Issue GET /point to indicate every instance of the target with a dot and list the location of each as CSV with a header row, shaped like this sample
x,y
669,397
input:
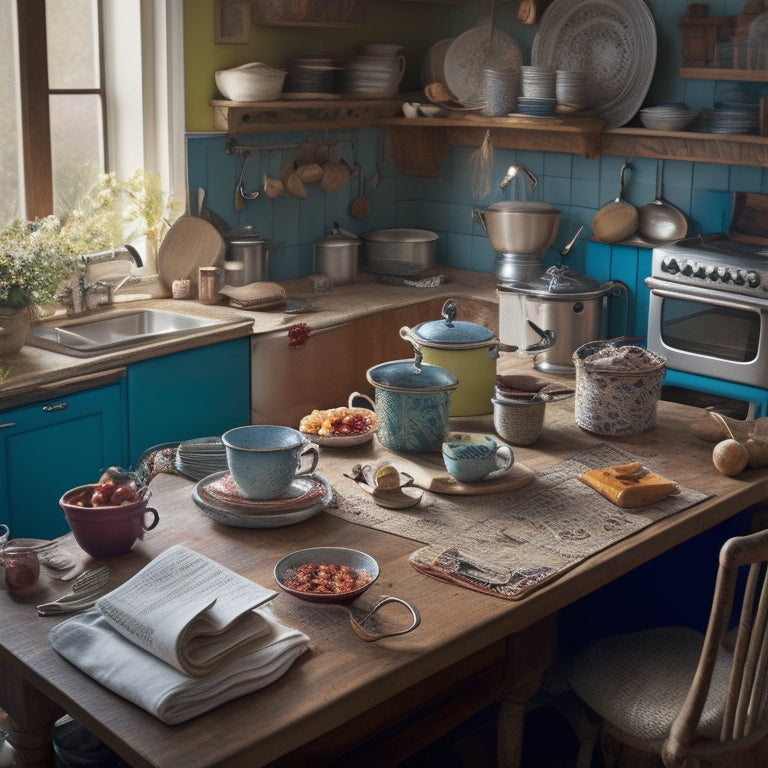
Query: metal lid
x,y
525,206
562,282
401,236
451,333
408,375
338,238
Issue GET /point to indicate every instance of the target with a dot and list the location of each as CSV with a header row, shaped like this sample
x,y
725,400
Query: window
x,y
89,86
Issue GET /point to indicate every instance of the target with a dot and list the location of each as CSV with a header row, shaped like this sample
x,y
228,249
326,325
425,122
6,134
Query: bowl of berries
x,y
108,517
342,427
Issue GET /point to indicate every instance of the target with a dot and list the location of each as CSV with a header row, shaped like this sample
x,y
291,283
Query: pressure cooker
x,y
552,316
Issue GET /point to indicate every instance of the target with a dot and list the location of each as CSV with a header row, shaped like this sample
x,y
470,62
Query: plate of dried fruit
x,y
342,427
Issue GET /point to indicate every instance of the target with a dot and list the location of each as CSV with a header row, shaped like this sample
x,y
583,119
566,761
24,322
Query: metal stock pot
x,y
468,350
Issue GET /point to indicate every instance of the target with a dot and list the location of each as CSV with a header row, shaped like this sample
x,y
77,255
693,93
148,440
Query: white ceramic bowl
x,y
250,82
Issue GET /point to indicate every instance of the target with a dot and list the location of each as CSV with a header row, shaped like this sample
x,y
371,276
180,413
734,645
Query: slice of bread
x,y
629,485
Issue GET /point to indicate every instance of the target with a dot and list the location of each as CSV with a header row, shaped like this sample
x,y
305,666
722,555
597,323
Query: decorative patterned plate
x,y
217,496
341,441
470,53
614,41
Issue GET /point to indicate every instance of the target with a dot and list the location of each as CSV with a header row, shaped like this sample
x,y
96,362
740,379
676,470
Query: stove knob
x,y
670,265
753,278
738,277
725,274
700,271
711,273
687,269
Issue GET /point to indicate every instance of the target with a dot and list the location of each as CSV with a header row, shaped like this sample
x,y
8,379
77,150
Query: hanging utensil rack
x,y
233,147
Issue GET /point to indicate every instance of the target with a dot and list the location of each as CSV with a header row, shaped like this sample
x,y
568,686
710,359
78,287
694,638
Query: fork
x,y
86,588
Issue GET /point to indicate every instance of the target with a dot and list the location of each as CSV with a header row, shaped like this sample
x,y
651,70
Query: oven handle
x,y
659,288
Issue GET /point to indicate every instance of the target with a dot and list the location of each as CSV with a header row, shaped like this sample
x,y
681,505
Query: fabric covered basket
x,y
617,387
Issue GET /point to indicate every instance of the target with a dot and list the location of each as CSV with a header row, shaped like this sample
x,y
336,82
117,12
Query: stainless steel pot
x,y
336,255
554,316
253,251
400,251
519,226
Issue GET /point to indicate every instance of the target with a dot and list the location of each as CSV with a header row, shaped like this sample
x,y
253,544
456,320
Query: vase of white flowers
x,y
34,260
37,257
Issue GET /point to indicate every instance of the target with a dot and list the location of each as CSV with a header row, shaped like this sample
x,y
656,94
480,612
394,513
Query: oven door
x,y
709,333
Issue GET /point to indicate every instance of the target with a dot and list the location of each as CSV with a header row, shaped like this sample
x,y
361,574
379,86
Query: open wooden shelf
x,y
237,117
721,73
420,144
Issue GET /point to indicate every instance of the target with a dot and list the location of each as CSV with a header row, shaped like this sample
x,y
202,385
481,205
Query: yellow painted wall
x,y
413,25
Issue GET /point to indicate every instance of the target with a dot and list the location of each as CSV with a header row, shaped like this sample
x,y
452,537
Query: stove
x,y
708,310
714,262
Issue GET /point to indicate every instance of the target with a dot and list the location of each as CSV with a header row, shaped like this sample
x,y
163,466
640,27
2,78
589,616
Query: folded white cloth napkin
x,y
88,642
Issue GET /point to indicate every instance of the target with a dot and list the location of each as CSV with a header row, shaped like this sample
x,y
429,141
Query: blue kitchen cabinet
x,y
193,393
52,446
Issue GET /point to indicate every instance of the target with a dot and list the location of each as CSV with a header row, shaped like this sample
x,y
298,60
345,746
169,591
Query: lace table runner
x,y
534,535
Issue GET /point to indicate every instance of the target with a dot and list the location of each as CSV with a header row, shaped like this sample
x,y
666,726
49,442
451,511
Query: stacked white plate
x,y
667,117
538,82
201,457
372,76
730,119
571,87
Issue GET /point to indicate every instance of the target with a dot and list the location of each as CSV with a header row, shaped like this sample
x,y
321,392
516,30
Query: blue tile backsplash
x,y
577,186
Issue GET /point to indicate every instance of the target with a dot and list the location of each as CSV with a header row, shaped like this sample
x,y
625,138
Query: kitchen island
x,y
469,650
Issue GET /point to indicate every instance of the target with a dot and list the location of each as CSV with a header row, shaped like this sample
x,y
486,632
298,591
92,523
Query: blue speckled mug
x,y
471,457
263,459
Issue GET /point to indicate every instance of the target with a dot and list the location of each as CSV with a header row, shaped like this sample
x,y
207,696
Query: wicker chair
x,y
688,697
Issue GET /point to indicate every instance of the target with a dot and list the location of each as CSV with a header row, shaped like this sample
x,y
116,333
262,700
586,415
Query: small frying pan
x,y
660,222
617,220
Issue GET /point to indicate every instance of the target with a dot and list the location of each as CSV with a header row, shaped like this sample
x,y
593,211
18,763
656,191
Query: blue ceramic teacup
x,y
263,459
470,457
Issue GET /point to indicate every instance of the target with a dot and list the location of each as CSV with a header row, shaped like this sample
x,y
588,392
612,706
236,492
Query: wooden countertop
x,y
35,372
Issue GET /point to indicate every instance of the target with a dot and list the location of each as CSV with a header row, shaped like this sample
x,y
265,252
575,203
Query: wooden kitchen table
x,y
470,648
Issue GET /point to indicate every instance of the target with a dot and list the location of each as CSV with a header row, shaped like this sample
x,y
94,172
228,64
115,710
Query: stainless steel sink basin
x,y
92,336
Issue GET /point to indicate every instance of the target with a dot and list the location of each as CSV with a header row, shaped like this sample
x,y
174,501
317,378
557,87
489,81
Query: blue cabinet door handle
x,y
57,407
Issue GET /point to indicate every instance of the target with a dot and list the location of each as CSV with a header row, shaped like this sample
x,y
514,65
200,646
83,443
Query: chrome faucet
x,y
512,173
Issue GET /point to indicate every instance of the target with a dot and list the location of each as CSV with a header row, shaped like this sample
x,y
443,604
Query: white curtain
x,y
144,62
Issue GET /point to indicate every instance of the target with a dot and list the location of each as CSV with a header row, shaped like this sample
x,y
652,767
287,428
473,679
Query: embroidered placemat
x,y
509,549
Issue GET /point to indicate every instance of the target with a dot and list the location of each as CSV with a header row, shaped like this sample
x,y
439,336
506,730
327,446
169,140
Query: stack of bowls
x,y
538,82
667,117
313,76
571,88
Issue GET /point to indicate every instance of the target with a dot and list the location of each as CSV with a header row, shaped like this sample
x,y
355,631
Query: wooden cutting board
x,y
189,244
428,472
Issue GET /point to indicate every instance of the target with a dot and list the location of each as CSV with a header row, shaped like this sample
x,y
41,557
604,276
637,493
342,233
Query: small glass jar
x,y
210,279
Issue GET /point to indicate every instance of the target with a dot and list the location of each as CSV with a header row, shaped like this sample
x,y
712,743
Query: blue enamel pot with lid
x,y
468,350
413,401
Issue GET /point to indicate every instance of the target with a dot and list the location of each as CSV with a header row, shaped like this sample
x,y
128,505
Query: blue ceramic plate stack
x,y
538,107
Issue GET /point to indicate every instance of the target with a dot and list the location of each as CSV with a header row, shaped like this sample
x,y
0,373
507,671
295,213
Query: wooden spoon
x,y
527,13
360,207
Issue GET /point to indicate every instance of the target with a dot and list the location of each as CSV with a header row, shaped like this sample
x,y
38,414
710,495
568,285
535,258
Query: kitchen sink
x,y
92,336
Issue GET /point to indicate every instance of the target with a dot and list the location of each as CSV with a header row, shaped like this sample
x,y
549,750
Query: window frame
x,y
157,114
